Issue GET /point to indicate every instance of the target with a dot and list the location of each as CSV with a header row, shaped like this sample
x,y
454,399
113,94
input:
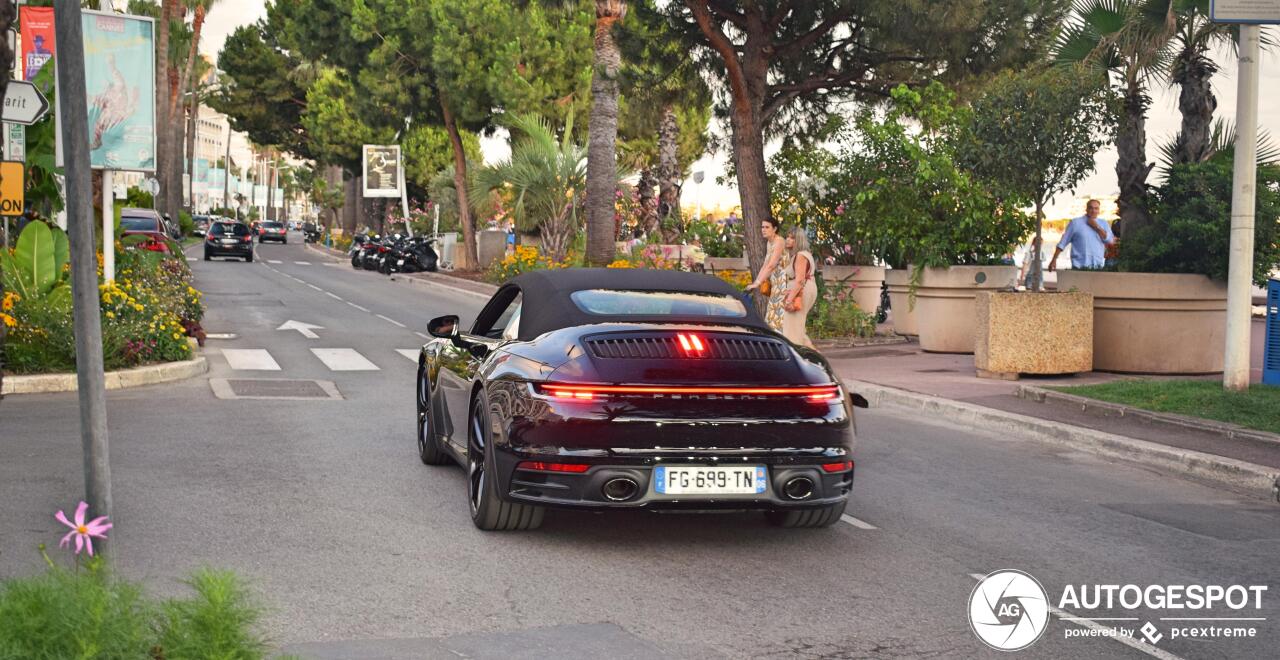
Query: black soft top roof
x,y
546,305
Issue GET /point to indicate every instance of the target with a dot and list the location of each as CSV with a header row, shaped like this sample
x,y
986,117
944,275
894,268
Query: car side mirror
x,y
444,327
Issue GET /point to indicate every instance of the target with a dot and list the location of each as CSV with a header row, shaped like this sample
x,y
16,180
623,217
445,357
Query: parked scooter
x,y
357,245
311,233
372,252
410,255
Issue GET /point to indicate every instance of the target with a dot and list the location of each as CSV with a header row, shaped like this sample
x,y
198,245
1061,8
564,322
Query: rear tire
x,y
207,256
429,450
249,259
488,511
803,518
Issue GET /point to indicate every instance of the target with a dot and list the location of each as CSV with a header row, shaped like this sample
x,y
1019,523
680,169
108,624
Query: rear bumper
x,y
588,490
235,249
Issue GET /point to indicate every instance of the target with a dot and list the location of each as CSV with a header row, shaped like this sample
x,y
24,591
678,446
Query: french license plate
x,y
229,241
710,480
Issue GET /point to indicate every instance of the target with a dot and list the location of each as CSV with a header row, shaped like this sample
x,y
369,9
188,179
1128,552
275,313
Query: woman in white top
x,y
802,291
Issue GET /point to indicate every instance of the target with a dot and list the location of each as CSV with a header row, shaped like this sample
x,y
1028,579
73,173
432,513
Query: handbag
x,y
796,305
765,288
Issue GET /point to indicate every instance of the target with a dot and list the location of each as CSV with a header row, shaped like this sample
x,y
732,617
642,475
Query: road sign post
x,y
1250,14
74,134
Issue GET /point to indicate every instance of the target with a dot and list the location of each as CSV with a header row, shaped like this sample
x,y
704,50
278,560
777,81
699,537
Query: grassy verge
x,y
1259,408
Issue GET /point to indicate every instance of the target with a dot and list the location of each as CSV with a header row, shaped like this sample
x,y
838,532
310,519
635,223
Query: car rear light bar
x,y
842,466
815,393
542,466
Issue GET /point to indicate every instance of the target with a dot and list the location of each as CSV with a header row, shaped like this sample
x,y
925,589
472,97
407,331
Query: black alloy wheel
x,y
488,511
429,450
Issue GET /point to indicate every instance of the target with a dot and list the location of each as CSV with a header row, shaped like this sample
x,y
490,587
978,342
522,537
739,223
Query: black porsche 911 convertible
x,y
613,388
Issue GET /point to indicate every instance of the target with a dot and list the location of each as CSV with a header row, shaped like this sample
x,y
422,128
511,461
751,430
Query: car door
x,y
458,365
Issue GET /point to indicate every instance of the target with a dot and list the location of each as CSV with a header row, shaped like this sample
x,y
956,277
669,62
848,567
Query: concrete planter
x,y
945,304
904,314
866,281
1154,323
1033,333
492,245
727,263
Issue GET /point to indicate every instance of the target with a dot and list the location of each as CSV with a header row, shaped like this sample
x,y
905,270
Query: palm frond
x,y
1223,138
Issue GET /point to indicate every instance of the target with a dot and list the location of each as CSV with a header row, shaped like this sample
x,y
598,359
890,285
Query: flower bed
x,y
147,312
523,259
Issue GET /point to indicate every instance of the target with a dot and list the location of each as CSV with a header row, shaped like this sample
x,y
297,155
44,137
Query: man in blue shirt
x,y
1088,236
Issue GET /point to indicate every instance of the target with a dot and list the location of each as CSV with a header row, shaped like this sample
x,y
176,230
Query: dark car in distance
x,y
148,223
228,239
632,389
273,231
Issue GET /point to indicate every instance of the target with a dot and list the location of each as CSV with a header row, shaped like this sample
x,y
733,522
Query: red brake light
x,y
842,466
571,391
540,466
691,344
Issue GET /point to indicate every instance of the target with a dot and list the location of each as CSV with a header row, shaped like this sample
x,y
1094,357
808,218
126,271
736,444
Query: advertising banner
x,y
119,62
381,170
36,25
1245,11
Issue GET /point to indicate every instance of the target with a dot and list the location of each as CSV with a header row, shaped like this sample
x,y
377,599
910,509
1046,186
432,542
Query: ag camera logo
x,y
1009,610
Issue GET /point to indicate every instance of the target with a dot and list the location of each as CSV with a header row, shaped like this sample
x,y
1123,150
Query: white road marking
x,y
363,309
410,353
250,359
332,295
312,286
304,328
191,258
344,359
860,524
220,335
391,321
302,263
1092,624
421,335
274,261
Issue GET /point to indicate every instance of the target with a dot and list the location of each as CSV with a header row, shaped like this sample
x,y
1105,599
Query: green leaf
x,y
33,260
61,250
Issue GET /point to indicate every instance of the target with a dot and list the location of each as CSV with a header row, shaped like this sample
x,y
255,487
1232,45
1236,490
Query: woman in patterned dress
x,y
774,272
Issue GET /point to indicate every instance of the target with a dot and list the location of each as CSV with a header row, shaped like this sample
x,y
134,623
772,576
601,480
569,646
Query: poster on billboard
x,y
36,25
119,62
381,170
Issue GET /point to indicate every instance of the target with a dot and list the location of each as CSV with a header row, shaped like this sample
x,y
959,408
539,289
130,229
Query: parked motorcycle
x,y
372,252
311,233
409,255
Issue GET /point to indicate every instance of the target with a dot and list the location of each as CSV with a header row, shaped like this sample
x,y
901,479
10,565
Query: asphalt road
x,y
360,551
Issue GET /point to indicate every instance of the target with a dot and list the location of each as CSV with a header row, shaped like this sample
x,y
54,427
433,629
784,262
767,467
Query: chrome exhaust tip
x,y
798,488
620,489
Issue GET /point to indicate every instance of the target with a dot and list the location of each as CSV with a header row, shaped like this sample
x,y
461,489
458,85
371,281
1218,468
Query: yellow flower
x,y
177,335
8,320
137,307
111,315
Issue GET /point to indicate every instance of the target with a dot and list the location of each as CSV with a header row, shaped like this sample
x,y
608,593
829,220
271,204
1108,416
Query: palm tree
x,y
547,176
1131,40
191,102
602,134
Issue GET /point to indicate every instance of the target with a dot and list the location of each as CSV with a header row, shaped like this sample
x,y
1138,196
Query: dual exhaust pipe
x,y
622,489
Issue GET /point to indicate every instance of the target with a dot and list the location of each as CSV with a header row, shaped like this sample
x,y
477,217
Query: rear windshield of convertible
x,y
612,302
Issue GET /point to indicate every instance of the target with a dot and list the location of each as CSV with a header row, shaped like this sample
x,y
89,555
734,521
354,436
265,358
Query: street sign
x,y
23,103
12,188
1245,11
15,141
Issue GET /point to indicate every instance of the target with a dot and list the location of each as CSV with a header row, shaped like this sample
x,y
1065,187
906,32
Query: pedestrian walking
x,y
771,281
1026,270
802,291
1088,236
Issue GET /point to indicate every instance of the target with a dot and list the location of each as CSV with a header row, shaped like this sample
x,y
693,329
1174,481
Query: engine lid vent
x,y
669,346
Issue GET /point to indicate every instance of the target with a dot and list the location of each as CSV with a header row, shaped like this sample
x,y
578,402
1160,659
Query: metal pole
x,y
226,171
1235,373
74,136
404,196
108,229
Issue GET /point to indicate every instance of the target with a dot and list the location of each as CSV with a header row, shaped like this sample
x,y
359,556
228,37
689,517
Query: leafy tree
x,y
787,65
1037,133
547,176
257,94
1130,41
544,66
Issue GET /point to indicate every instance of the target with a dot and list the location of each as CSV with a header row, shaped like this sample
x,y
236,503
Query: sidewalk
x,y
923,380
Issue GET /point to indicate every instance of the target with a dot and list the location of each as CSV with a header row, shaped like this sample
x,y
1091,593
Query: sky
x,y
1162,121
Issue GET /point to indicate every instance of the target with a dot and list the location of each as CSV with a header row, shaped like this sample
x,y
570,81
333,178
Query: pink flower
x,y
82,531
839,209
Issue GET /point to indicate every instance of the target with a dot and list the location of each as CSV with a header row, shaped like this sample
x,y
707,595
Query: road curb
x,y
115,380
1249,478
1232,431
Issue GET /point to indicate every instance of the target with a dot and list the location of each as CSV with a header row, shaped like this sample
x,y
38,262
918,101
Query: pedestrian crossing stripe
x,y
250,359
410,353
344,359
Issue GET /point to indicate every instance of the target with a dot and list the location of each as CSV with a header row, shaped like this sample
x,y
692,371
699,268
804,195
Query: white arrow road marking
x,y
344,359
410,353
250,359
304,328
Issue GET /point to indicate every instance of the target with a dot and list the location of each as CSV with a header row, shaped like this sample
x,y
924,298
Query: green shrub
x,y
1191,227
836,315
88,613
185,224
717,241
138,198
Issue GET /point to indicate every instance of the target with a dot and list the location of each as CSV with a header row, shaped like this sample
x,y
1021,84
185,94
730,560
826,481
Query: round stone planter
x,y
1154,323
866,282
945,307
903,314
